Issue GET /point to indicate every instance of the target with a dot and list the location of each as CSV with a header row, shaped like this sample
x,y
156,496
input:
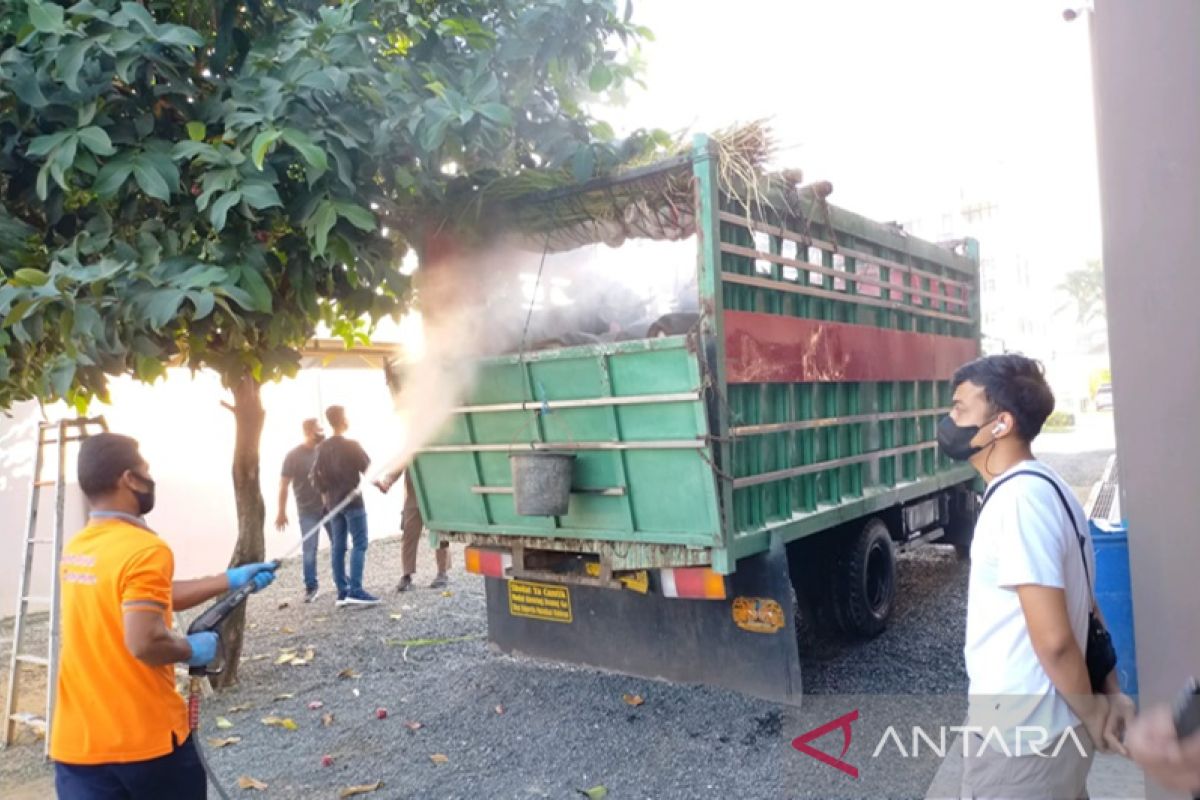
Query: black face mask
x,y
145,500
955,440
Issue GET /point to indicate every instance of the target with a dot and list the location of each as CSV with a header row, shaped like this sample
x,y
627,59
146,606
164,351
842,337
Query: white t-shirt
x,y
1023,536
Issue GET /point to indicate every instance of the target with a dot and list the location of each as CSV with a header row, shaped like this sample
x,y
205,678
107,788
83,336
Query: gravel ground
x,y
516,728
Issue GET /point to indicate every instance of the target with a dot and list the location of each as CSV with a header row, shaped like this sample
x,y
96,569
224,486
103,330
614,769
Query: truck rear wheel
x,y
864,580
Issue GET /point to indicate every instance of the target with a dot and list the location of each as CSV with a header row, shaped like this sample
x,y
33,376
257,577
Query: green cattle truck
x,y
682,490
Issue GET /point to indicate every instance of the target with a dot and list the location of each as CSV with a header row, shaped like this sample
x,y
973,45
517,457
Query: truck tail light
x,y
490,563
693,583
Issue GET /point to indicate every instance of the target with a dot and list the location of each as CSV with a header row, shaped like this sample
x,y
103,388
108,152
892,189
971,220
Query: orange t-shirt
x,y
111,707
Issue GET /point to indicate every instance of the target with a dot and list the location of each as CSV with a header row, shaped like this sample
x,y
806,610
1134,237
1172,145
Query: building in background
x,y
1025,306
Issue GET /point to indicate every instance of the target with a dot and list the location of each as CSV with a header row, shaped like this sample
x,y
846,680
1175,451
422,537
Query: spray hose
x,y
212,617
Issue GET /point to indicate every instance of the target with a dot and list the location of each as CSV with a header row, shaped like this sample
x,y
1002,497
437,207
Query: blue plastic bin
x,y
1115,598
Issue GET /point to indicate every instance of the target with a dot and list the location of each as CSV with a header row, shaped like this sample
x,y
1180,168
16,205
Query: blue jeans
x,y
177,775
351,521
307,523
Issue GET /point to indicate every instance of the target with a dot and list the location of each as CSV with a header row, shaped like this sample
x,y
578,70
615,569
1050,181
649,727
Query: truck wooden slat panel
x,y
767,348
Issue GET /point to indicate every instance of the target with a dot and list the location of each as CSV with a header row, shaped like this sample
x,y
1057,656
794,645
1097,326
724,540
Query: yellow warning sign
x,y
539,601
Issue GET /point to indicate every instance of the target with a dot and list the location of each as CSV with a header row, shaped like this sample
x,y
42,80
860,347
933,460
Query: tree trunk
x,y
251,512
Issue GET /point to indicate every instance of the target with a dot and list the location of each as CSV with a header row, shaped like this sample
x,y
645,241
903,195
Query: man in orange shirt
x,y
120,728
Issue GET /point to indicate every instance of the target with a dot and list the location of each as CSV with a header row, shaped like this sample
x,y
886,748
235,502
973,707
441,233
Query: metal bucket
x,y
541,482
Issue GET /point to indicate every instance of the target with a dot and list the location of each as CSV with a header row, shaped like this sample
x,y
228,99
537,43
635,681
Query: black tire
x,y
804,627
864,580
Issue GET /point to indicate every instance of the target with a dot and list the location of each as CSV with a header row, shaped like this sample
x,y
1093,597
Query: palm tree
x,y
1084,290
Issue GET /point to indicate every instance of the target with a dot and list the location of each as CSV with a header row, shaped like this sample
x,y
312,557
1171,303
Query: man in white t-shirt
x,y
1033,717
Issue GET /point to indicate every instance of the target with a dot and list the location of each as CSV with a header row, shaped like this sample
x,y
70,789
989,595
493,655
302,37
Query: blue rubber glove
x,y
262,573
204,648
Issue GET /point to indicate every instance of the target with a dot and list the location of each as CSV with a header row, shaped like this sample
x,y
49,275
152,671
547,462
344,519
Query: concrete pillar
x,y
1147,79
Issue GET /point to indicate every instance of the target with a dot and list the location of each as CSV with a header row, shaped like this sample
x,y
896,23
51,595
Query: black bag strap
x,y
991,490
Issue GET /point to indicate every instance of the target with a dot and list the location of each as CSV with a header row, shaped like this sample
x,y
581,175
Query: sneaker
x,y
361,598
311,594
405,584
341,600
440,582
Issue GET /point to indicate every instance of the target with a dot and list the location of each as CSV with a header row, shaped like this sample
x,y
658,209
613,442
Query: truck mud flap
x,y
688,641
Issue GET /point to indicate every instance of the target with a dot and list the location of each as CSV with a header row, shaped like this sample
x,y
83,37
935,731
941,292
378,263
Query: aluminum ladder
x,y
49,434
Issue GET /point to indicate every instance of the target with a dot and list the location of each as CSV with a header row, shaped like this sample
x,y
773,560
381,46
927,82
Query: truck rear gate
x,y
776,452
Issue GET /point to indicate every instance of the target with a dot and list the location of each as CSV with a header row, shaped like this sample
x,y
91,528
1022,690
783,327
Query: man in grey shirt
x,y
297,469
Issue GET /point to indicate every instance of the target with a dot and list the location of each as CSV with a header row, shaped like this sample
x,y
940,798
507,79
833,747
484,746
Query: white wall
x,y
187,438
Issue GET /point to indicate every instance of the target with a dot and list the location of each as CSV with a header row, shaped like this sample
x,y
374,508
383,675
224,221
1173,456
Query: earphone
x,y
999,429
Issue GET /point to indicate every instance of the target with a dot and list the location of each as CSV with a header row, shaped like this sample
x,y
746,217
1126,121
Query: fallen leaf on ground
x,y
259,657
223,723
349,672
286,658
310,653
633,699
283,605
396,616
594,793
414,726
246,782
236,709
281,722
447,594
314,705
219,742
327,719
320,619
499,709
438,758
284,696
286,629
365,788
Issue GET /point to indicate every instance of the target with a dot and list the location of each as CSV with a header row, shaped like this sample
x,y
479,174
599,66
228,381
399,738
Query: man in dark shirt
x,y
336,472
297,469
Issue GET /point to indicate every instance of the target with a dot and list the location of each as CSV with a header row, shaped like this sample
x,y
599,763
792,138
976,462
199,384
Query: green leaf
x,y
70,62
18,312
601,130
262,143
260,293
190,149
203,301
221,208
583,165
497,113
25,87
313,155
30,277
41,185
112,176
357,216
600,78
87,321
150,182
196,130
260,194
42,145
594,793
46,17
322,222
95,139
162,307
179,35
62,375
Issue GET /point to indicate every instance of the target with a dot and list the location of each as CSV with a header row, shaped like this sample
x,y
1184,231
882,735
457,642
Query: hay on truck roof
x,y
655,201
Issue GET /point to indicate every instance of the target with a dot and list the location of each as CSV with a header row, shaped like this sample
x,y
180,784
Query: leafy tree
x,y
204,183
1083,290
